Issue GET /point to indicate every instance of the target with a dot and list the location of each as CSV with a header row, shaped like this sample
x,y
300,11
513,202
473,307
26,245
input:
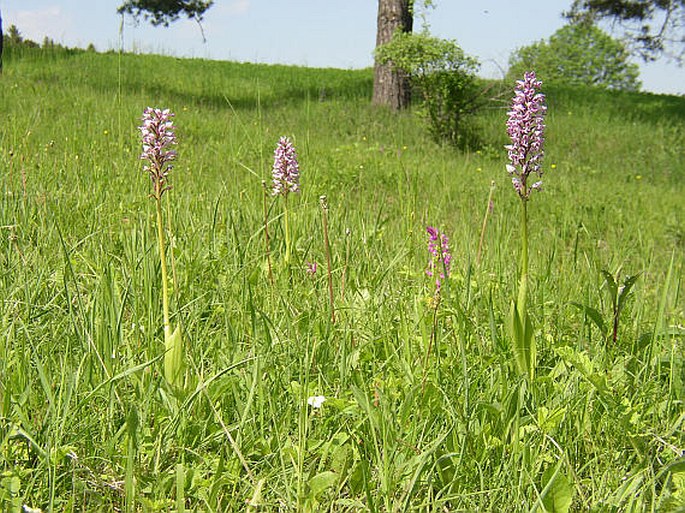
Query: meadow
x,y
423,409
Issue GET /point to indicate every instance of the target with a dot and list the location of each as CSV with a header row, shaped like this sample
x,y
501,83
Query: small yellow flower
x,y
638,177
431,301
553,166
106,132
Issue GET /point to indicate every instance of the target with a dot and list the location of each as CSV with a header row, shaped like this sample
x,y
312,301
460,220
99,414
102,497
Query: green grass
x,y
87,422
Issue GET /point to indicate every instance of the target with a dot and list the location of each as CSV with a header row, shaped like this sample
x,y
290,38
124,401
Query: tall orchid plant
x,y
158,138
438,269
286,179
525,128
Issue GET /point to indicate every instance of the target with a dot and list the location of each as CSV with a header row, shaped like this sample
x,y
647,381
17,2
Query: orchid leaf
x,y
173,359
557,494
523,347
594,315
624,291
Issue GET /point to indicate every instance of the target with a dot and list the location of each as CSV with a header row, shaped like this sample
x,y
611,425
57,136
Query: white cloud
x,y
38,23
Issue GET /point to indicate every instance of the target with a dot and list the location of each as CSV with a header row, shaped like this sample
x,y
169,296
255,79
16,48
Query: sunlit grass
x,y
86,423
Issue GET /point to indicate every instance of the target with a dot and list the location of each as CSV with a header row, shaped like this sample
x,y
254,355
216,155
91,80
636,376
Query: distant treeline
x,y
13,40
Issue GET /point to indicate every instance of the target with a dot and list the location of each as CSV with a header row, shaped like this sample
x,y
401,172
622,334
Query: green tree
x,y
578,54
444,78
164,12
13,38
653,26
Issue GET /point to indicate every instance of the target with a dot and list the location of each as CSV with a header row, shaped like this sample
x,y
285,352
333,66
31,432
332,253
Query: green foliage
x,y
444,78
164,12
653,26
16,46
523,341
618,297
10,488
557,492
86,423
174,364
13,38
578,54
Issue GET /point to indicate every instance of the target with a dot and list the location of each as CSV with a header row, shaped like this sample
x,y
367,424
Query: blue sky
x,y
322,33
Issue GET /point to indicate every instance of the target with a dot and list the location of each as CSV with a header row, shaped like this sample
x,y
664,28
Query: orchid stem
x,y
162,259
287,232
523,283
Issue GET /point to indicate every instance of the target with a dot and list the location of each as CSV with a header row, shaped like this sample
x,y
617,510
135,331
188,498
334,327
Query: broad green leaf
x,y
10,493
173,359
594,315
557,493
523,346
678,495
516,333
624,290
611,285
360,478
583,364
320,482
548,420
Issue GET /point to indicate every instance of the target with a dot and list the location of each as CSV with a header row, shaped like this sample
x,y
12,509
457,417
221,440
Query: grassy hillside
x,y
424,409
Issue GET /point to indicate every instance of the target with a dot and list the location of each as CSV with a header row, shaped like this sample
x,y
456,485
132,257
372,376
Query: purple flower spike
x,y
526,126
286,170
440,263
158,135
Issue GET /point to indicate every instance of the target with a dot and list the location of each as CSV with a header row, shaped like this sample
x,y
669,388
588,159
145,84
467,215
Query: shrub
x,y
578,54
444,79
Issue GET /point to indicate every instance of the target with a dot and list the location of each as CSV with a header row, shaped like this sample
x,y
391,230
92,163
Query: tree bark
x,y
391,88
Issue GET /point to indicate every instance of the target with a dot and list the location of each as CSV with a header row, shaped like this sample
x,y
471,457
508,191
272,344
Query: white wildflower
x,y
316,401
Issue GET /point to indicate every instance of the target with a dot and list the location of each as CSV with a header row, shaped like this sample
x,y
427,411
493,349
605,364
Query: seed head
x,y
158,136
286,170
526,126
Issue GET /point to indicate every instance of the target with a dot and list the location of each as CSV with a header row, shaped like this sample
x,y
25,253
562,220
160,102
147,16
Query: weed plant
x,y
285,410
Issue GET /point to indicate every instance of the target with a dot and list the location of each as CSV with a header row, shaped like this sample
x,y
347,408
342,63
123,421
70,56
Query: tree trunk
x,y
391,88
